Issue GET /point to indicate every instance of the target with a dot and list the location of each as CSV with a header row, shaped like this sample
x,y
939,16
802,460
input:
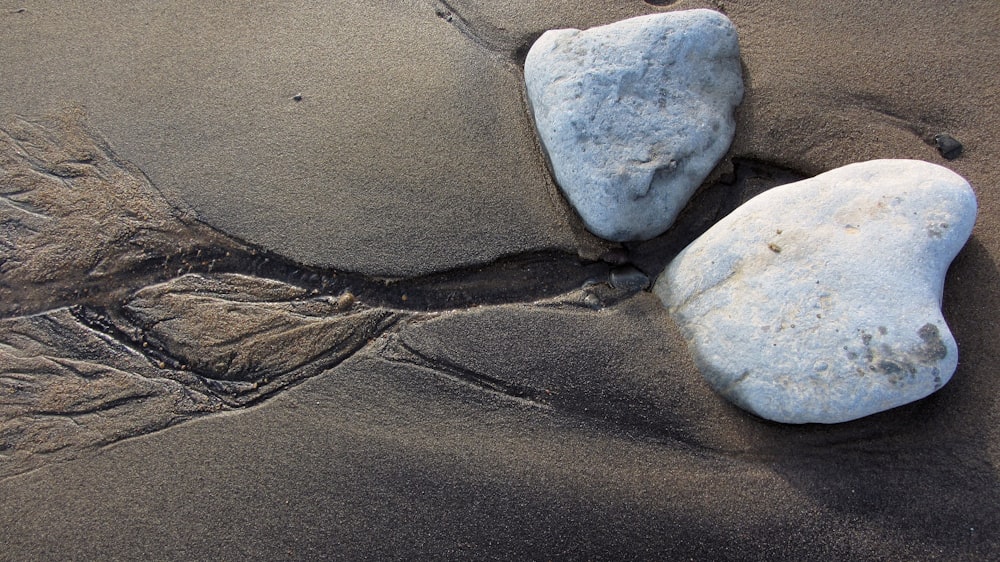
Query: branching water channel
x,y
121,314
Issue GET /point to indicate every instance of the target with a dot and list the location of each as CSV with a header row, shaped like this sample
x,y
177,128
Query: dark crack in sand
x,y
121,315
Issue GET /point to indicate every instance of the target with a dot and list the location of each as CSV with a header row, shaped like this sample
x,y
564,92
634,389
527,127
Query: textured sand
x,y
411,152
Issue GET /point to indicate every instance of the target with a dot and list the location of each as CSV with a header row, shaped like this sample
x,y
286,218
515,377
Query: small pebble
x,y
346,301
948,146
297,97
629,278
592,301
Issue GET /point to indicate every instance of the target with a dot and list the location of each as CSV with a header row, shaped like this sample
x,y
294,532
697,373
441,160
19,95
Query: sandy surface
x,y
526,428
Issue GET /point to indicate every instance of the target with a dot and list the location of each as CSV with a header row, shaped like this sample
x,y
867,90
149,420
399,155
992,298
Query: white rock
x,y
819,301
635,114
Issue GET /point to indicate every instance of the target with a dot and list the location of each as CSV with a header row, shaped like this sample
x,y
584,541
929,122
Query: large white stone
x,y
635,114
819,301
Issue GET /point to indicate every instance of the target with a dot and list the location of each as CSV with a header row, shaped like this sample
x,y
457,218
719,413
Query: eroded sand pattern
x,y
123,315
293,281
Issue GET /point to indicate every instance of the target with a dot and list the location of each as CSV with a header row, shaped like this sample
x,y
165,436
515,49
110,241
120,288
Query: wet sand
x,y
523,428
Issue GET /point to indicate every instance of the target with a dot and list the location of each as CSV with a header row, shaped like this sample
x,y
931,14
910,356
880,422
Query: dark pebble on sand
x,y
297,97
948,146
629,278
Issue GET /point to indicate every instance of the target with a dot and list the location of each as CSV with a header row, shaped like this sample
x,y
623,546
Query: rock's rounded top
x,y
893,199
819,301
634,115
651,30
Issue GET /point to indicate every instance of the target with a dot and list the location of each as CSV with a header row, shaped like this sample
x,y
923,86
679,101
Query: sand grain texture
x,y
545,424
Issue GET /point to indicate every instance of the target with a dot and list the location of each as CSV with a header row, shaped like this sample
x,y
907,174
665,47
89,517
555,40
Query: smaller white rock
x,y
819,301
635,114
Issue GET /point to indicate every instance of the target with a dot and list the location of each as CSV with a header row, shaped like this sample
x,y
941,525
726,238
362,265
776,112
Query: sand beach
x,y
293,281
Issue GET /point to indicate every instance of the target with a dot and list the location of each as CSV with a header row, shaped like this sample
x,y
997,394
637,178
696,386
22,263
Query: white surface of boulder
x,y
635,114
819,301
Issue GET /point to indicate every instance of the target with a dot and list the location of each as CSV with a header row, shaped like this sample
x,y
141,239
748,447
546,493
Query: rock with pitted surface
x,y
819,301
634,115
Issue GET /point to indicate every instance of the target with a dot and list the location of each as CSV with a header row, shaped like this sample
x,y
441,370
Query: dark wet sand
x,y
411,152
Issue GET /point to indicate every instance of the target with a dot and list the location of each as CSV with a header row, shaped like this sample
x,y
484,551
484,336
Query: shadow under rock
x,y
925,469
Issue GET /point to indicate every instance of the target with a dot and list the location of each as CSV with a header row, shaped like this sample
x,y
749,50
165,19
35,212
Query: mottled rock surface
x,y
819,301
634,115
